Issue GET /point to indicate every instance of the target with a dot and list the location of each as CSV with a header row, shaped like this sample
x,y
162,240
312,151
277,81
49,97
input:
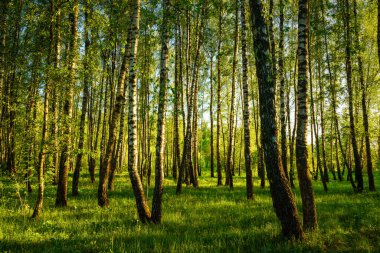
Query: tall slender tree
x,y
247,134
142,206
160,142
282,92
85,98
307,192
218,101
231,132
348,39
43,145
363,87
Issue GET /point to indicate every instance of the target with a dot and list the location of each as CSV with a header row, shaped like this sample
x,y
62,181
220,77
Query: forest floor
x,y
208,219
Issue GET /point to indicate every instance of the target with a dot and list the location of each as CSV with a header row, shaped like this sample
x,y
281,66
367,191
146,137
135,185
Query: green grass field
x,y
208,219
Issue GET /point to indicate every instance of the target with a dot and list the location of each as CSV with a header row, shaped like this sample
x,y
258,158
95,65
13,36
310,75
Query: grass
x,y
208,219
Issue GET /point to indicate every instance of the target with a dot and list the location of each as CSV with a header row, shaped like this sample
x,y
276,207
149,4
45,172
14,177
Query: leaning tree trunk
x,y
160,141
142,207
247,135
306,188
106,161
282,197
357,160
61,199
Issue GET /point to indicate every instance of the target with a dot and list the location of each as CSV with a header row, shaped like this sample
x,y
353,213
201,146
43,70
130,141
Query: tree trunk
x,y
247,134
177,86
363,87
218,103
142,207
306,188
61,199
283,199
282,92
211,118
86,82
231,132
42,154
357,160
160,142
325,175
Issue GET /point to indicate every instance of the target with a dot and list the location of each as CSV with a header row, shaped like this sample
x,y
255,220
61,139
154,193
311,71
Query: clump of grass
x,y
208,219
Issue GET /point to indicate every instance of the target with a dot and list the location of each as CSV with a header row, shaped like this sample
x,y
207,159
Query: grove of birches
x,y
189,125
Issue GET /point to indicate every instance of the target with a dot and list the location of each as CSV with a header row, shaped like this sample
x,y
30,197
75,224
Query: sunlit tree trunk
x,y
142,206
307,193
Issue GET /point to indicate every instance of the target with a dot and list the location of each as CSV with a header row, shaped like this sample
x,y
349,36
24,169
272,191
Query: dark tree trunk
x,y
282,93
363,88
42,154
247,135
357,160
64,164
177,87
283,199
86,82
211,118
218,103
231,132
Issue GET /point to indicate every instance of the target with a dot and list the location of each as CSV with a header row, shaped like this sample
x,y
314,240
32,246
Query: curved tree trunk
x,y
142,207
282,197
